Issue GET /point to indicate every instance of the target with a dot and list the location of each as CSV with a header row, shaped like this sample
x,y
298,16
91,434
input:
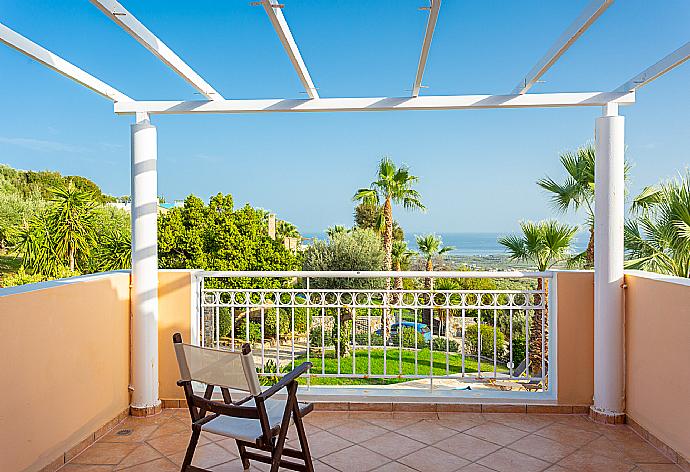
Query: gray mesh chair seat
x,y
250,429
256,421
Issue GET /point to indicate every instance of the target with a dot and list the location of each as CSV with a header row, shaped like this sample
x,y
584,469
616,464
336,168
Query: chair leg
x,y
242,450
190,449
301,433
284,425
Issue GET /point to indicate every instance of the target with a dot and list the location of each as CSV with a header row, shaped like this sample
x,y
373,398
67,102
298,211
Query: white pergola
x,y
609,379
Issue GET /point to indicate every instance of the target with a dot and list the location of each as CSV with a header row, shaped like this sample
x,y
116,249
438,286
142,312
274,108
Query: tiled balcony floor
x,y
354,442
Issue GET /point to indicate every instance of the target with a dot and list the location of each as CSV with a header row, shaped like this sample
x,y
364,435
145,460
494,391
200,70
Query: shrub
x,y
317,338
487,340
408,338
360,249
518,349
362,339
440,345
21,278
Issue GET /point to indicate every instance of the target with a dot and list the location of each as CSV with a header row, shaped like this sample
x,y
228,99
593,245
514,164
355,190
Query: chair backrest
x,y
234,370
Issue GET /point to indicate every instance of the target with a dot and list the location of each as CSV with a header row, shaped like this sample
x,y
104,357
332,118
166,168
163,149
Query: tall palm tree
x,y
430,246
336,230
393,184
401,255
577,190
658,237
71,222
543,244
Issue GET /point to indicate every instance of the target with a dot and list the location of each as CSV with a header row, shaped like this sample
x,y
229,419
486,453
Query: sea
x,y
470,244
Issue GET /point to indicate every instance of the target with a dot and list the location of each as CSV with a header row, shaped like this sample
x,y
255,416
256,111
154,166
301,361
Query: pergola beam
x,y
116,12
275,14
58,64
426,44
458,102
588,16
666,64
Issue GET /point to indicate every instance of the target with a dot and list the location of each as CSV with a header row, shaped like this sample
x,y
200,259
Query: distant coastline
x,y
470,245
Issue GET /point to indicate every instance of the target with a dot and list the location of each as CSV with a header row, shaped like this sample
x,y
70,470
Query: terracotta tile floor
x,y
359,442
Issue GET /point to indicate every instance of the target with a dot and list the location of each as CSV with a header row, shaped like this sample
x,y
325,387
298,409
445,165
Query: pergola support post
x,y
144,290
609,328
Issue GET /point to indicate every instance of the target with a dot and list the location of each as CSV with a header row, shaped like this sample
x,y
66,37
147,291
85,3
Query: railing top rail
x,y
449,274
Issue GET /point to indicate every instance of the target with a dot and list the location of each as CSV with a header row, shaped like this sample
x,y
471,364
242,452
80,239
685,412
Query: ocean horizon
x,y
469,244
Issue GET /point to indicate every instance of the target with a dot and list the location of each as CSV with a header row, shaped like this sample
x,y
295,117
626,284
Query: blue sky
x,y
477,168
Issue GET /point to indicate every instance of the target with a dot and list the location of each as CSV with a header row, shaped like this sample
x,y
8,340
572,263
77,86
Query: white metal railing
x,y
355,331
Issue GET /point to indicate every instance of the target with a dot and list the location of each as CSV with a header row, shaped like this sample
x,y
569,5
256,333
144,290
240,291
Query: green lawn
x,y
392,366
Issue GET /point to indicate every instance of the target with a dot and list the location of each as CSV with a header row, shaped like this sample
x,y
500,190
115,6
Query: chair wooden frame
x,y
272,440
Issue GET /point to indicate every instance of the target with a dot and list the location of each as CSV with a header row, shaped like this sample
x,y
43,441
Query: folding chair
x,y
256,421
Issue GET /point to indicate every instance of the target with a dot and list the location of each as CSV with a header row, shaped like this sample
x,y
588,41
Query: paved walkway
x,y
395,442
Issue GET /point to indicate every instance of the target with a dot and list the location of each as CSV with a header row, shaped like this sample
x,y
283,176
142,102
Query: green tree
x,y
219,237
401,255
336,230
544,244
577,190
393,184
371,217
657,238
70,220
430,246
33,243
360,249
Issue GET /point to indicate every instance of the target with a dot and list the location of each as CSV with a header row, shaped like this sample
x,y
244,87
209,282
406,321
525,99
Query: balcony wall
x,y
65,366
66,357
658,357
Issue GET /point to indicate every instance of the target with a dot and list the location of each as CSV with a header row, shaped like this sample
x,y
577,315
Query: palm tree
x,y
285,229
32,242
71,222
577,191
430,246
393,184
401,255
114,251
658,237
544,244
336,230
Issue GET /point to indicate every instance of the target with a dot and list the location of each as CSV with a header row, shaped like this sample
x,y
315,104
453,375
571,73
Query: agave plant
x,y
657,238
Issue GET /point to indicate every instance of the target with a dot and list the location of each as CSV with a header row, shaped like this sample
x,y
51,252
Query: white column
x,y
144,265
609,186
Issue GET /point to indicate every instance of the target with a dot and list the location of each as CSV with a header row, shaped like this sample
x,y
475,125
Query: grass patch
x,y
393,366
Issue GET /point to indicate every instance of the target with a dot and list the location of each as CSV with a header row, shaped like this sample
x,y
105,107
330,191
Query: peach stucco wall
x,y
174,315
65,365
575,299
658,357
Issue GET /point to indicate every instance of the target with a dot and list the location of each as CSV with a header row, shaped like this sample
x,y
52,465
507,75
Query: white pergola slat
x,y
669,62
128,22
58,64
588,16
275,14
426,44
458,102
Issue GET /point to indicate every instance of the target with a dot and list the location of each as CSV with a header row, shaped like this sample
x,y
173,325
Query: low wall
x,y
65,366
658,356
174,315
575,343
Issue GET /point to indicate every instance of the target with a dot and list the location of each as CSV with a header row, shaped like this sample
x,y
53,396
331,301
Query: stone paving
x,y
380,441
